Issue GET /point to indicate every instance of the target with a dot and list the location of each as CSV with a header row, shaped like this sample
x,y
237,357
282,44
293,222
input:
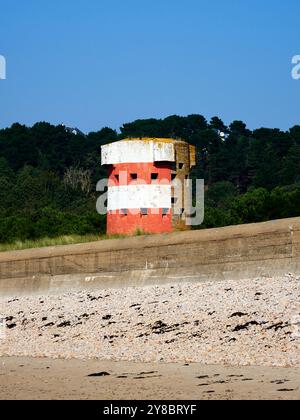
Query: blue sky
x,y
98,63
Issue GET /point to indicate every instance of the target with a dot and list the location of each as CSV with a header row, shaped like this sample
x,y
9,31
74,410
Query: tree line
x,y
48,174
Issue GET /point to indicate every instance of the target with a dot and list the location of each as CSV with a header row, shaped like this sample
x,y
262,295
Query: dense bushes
x,y
257,205
49,222
48,175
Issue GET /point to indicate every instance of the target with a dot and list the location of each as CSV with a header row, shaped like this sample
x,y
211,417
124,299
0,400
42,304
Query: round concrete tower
x,y
141,193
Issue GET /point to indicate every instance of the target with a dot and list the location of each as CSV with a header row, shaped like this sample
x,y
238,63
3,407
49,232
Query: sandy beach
x,y
26,378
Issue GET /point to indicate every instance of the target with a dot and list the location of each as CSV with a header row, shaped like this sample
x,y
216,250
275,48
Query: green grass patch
x,y
61,240
44,242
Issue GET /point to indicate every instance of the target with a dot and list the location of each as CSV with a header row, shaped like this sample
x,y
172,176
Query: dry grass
x,y
61,240
43,242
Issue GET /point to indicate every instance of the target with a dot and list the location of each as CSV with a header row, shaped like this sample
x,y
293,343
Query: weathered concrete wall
x,y
142,151
248,251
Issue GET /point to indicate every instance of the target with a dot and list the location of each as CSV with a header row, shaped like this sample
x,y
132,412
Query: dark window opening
x,y
173,176
174,200
144,212
154,177
181,165
173,166
133,177
117,177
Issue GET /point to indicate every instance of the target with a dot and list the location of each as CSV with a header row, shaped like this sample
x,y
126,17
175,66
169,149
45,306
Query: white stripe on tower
x,y
137,151
139,196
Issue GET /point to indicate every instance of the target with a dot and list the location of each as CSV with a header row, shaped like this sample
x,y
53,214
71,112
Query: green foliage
x,y
48,175
252,206
220,194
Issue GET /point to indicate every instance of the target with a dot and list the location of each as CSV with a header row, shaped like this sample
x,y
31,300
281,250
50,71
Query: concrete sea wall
x,y
238,252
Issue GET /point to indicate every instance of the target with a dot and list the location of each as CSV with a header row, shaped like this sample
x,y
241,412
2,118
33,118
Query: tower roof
x,y
154,139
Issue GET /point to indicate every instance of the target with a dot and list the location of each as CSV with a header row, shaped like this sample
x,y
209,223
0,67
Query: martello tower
x,y
141,194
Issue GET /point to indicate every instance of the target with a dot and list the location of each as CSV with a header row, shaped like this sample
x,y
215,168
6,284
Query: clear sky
x,y
95,63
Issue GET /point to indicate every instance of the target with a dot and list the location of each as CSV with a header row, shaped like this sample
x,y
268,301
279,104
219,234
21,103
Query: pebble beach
x,y
233,323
